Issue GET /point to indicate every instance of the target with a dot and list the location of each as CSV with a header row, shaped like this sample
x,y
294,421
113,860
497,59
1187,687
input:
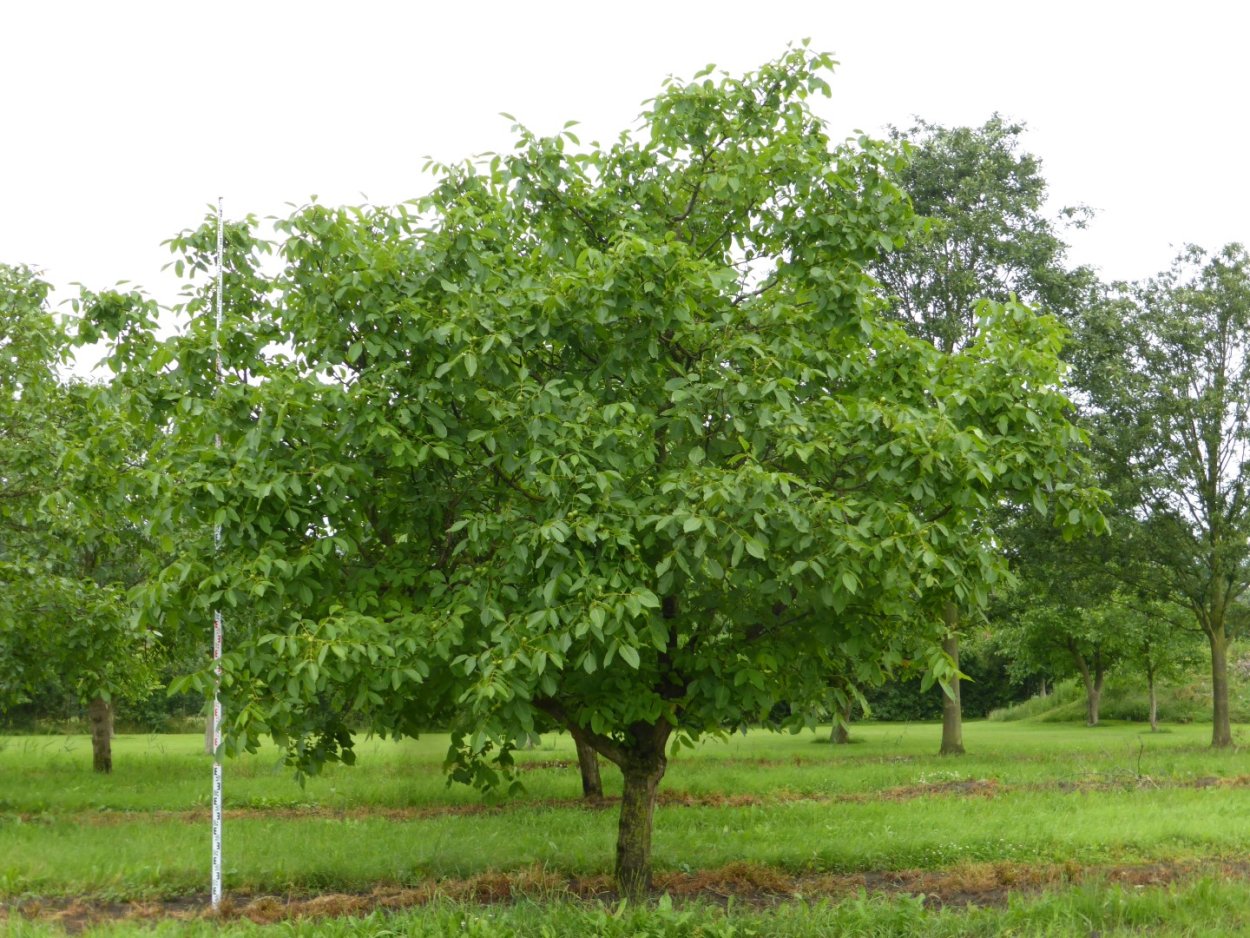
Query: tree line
x,y
722,423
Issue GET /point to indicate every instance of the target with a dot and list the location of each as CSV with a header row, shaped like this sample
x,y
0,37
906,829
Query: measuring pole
x,y
217,625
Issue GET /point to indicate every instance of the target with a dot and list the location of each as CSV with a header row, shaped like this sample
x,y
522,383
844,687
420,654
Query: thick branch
x,y
604,745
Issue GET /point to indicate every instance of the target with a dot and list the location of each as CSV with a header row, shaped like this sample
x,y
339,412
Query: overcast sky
x,y
123,121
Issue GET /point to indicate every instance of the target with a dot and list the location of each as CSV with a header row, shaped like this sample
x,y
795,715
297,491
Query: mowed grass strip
x,y
1207,906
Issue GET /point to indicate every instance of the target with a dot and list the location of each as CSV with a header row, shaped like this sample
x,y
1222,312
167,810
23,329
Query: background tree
x,y
1091,639
1043,638
986,685
66,560
31,346
1166,370
1158,643
618,437
985,233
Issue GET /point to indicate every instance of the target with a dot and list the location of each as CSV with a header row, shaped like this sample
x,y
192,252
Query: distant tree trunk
x,y
1154,702
841,733
1042,692
952,712
1093,701
208,732
100,716
1092,677
1221,726
1154,697
588,762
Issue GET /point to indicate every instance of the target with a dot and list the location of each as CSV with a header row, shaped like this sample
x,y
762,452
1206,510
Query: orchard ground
x,y
1045,828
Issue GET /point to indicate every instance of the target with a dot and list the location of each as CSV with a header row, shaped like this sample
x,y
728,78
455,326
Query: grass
x,y
1206,907
167,773
1185,699
1030,797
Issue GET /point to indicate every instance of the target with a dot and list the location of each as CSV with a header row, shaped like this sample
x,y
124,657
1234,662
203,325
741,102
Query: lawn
x,y
1043,828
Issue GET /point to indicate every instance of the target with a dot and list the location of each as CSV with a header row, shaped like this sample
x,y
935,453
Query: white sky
x,y
122,121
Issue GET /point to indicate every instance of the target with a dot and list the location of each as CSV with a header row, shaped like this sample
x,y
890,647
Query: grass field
x,y
1044,828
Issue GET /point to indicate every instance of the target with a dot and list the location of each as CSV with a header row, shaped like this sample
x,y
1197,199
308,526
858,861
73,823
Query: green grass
x,y
1061,794
143,858
169,773
1206,908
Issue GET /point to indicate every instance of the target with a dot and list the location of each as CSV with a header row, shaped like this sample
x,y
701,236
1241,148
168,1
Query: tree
x,y
1158,644
840,732
30,348
1058,640
588,765
1166,367
65,560
617,437
985,234
1040,634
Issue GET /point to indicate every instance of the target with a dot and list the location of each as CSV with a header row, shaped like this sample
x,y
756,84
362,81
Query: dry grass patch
x,y
754,885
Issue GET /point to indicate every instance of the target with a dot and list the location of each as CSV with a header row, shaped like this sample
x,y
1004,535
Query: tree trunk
x,y
1221,727
633,841
952,713
642,763
588,762
1154,702
1092,681
1151,691
1093,699
100,716
640,757
841,733
1042,693
1100,673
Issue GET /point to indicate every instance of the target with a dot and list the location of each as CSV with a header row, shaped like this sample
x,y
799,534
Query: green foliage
x,y
983,231
617,434
987,684
65,558
619,437
1066,697
31,345
1166,370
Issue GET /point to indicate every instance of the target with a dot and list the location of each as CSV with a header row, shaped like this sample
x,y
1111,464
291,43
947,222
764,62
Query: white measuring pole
x,y
217,625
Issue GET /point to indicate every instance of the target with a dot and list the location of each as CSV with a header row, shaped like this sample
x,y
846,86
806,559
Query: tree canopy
x,y
1165,365
65,558
984,232
618,435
